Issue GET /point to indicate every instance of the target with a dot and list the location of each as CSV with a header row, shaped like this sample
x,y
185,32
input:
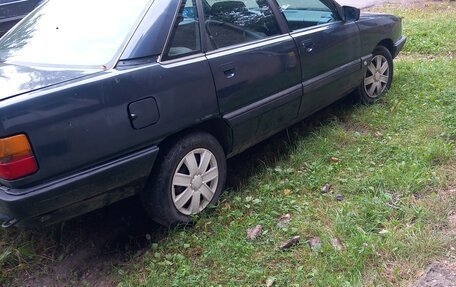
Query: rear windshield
x,y
72,33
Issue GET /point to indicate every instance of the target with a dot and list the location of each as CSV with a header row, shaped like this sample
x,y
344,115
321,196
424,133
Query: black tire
x,y
159,195
365,93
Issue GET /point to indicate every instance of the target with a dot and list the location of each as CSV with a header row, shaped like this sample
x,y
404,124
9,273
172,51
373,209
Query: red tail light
x,y
16,158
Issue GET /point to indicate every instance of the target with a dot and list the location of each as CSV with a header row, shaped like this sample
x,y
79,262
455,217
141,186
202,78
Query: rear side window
x,y
235,22
301,14
185,37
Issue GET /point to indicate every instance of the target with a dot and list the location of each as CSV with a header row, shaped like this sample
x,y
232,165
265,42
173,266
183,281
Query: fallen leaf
x,y
283,220
253,233
335,160
326,188
337,244
315,243
286,192
290,242
270,282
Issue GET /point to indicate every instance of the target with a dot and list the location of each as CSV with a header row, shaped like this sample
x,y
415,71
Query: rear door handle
x,y
230,73
308,45
228,70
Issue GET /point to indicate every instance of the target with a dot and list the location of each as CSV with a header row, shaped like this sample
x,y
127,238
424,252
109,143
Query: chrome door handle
x,y
229,73
308,45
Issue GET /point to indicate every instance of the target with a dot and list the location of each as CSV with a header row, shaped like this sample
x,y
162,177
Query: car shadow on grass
x,y
90,248
278,147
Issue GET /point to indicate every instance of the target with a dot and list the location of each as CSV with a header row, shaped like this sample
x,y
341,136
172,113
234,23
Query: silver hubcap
x,y
377,76
195,181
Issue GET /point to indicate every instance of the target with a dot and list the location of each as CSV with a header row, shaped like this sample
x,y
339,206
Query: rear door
x,y
256,68
329,50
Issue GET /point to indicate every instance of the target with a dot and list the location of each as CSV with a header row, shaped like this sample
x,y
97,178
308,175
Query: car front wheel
x,y
189,177
378,77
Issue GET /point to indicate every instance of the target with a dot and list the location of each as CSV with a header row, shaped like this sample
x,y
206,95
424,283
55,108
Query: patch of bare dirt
x,y
423,57
362,4
408,3
443,273
413,3
92,246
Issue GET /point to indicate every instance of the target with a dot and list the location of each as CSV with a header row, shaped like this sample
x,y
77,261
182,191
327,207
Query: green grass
x,y
430,29
394,158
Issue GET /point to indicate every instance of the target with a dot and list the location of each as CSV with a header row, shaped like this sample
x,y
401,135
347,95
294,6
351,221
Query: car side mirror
x,y
351,13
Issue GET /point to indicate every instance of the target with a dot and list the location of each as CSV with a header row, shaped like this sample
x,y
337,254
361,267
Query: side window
x,y
302,14
185,37
231,22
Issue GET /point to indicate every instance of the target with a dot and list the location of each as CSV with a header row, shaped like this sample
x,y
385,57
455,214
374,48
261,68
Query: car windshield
x,y
72,33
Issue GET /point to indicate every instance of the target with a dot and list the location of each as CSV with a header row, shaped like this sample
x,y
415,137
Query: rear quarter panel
x,y
84,123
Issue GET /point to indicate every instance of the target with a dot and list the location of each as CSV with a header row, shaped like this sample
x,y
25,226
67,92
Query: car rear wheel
x,y
378,77
190,176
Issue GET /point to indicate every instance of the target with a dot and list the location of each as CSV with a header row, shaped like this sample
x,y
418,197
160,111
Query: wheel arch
x,y
217,127
388,44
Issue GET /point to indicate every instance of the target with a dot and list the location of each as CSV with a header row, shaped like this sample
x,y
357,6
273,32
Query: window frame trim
x,y
162,58
281,20
247,45
283,31
335,9
313,29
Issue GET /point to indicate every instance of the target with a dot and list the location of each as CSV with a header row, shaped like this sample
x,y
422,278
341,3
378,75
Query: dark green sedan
x,y
148,98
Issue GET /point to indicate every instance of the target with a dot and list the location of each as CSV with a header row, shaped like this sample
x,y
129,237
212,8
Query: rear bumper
x,y
399,45
78,193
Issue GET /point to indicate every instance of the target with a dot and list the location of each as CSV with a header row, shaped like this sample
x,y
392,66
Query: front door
x,y
329,49
255,66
